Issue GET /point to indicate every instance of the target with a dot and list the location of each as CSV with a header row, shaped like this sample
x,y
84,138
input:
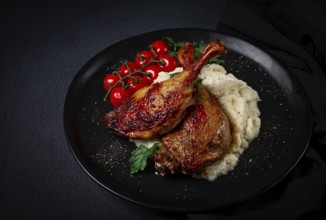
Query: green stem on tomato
x,y
125,85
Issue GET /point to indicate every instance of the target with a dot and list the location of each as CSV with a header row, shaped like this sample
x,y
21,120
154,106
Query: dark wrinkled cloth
x,y
294,32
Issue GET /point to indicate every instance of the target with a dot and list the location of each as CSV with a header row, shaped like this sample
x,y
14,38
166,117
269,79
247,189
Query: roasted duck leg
x,y
203,138
155,110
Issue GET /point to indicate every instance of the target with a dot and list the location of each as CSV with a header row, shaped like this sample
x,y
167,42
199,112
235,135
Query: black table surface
x,y
43,46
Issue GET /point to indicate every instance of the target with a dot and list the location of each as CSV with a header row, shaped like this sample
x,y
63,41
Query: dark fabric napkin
x,y
294,32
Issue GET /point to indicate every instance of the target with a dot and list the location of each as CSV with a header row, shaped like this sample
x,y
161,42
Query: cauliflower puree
x,y
239,103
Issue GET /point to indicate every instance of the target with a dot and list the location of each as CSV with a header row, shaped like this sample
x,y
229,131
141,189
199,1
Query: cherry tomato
x,y
137,83
160,47
143,58
124,70
167,62
118,95
110,80
153,72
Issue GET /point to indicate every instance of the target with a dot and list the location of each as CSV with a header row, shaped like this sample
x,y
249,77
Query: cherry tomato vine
x,y
131,76
134,75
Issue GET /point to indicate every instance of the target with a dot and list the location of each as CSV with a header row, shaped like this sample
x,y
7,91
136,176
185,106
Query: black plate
x,y
283,139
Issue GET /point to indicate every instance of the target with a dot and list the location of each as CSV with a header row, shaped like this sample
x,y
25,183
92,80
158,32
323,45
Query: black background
x,y
43,45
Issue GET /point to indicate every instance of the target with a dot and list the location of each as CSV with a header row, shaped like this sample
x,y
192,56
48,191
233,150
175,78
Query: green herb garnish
x,y
197,81
139,156
199,46
174,74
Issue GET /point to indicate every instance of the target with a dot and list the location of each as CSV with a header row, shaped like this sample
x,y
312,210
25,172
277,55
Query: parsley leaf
x,y
139,156
174,74
216,60
197,81
199,48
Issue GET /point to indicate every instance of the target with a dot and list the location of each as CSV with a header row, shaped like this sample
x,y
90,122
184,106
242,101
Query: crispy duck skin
x,y
203,138
155,110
